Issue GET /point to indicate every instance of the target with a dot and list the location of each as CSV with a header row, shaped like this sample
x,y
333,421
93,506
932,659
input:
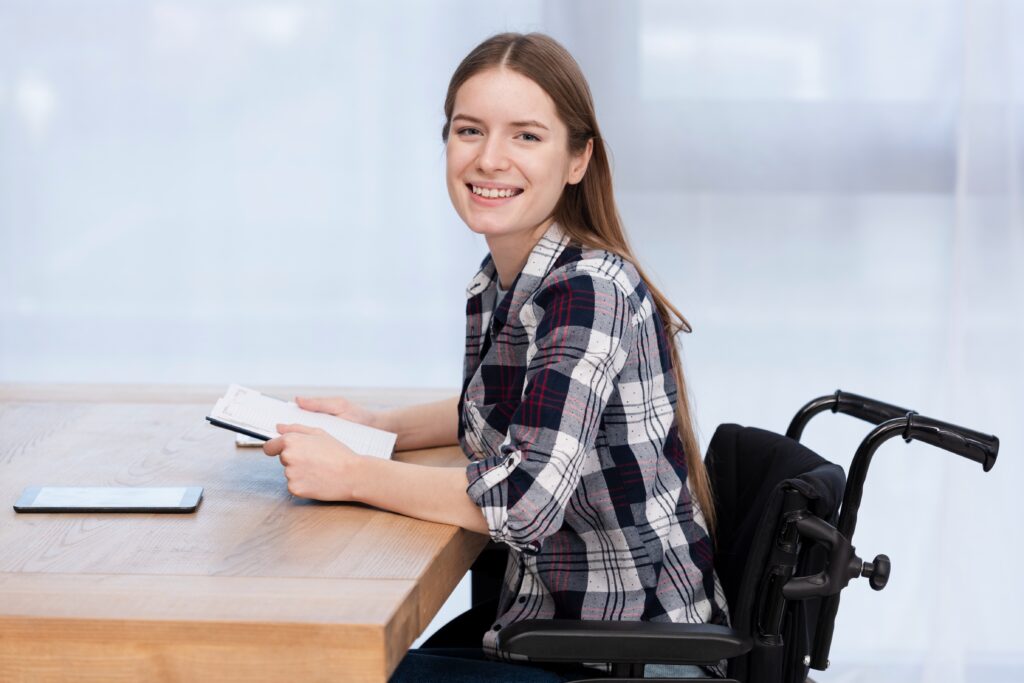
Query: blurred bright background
x,y
253,192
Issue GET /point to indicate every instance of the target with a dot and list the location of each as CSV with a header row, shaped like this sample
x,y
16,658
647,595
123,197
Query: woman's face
x,y
508,155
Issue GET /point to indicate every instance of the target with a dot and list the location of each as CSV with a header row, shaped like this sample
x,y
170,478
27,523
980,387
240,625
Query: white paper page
x,y
255,412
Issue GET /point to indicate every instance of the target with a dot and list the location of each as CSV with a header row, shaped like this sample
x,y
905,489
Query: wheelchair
x,y
783,552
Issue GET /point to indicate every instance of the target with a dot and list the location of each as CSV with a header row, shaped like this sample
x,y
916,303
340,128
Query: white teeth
x,y
492,193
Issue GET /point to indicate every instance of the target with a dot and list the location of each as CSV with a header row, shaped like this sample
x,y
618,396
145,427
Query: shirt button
x,y
522,600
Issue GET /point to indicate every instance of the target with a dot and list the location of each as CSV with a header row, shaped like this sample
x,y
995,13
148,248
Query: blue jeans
x,y
468,665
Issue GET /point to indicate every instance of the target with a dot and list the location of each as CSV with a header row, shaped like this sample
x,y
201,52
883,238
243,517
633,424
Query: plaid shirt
x,y
568,418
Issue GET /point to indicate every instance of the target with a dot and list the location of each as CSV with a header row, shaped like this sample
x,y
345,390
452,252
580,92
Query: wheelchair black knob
x,y
877,572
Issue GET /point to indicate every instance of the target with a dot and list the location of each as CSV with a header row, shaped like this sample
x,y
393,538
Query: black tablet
x,y
109,499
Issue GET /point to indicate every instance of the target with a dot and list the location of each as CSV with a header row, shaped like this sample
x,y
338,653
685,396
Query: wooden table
x,y
257,585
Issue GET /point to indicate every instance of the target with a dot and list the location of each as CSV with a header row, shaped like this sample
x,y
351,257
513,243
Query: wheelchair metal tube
x,y
862,407
980,448
968,443
771,608
847,522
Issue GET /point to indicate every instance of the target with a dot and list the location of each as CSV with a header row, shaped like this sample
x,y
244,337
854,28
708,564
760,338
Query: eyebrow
x,y
514,124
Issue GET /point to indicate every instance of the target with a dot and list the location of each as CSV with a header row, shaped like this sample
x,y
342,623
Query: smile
x,y
494,192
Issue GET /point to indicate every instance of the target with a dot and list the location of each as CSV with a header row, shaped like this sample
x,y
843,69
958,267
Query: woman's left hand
x,y
316,465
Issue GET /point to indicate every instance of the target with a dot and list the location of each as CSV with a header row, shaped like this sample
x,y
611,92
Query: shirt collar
x,y
548,248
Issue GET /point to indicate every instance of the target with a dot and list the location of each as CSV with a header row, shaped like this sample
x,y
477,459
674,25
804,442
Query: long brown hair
x,y
586,211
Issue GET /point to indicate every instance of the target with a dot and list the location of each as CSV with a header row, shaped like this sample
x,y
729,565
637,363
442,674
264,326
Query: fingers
x,y
277,445
274,446
321,405
298,429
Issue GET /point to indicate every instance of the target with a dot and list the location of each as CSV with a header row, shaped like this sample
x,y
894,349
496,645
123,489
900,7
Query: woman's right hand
x,y
343,408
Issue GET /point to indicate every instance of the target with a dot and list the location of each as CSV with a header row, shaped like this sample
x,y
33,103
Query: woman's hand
x,y
320,467
343,408
316,465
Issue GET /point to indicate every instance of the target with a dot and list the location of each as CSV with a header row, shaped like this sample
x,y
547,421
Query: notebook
x,y
249,412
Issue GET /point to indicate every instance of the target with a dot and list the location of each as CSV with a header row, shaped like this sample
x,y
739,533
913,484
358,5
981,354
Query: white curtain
x,y
253,192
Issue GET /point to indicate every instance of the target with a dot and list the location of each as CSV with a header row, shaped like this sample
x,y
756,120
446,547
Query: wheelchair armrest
x,y
557,640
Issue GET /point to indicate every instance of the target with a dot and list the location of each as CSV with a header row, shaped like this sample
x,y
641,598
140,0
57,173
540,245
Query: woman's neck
x,y
510,252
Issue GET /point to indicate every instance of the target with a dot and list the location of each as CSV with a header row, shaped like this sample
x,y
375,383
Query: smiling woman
x,y
573,413
509,161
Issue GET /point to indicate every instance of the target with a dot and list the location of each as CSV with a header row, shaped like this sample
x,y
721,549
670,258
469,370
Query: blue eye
x,y
468,131
531,136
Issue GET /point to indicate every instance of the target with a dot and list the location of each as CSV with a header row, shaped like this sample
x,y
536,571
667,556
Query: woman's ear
x,y
578,168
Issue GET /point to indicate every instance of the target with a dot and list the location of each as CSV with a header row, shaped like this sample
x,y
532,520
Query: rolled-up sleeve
x,y
584,328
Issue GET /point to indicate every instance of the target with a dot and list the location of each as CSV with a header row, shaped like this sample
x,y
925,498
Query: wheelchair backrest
x,y
759,477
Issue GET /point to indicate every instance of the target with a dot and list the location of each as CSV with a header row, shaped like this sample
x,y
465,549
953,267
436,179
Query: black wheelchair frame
x,y
892,421
628,646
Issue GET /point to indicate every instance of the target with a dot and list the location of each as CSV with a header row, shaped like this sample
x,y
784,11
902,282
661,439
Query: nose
x,y
493,156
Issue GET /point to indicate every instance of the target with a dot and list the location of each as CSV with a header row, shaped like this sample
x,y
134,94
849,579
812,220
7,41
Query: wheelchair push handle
x,y
861,407
968,443
981,448
867,409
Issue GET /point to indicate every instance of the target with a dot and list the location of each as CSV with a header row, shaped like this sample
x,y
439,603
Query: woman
x,y
573,414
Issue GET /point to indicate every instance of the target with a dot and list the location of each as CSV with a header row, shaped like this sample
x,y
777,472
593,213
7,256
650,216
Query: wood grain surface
x,y
256,585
